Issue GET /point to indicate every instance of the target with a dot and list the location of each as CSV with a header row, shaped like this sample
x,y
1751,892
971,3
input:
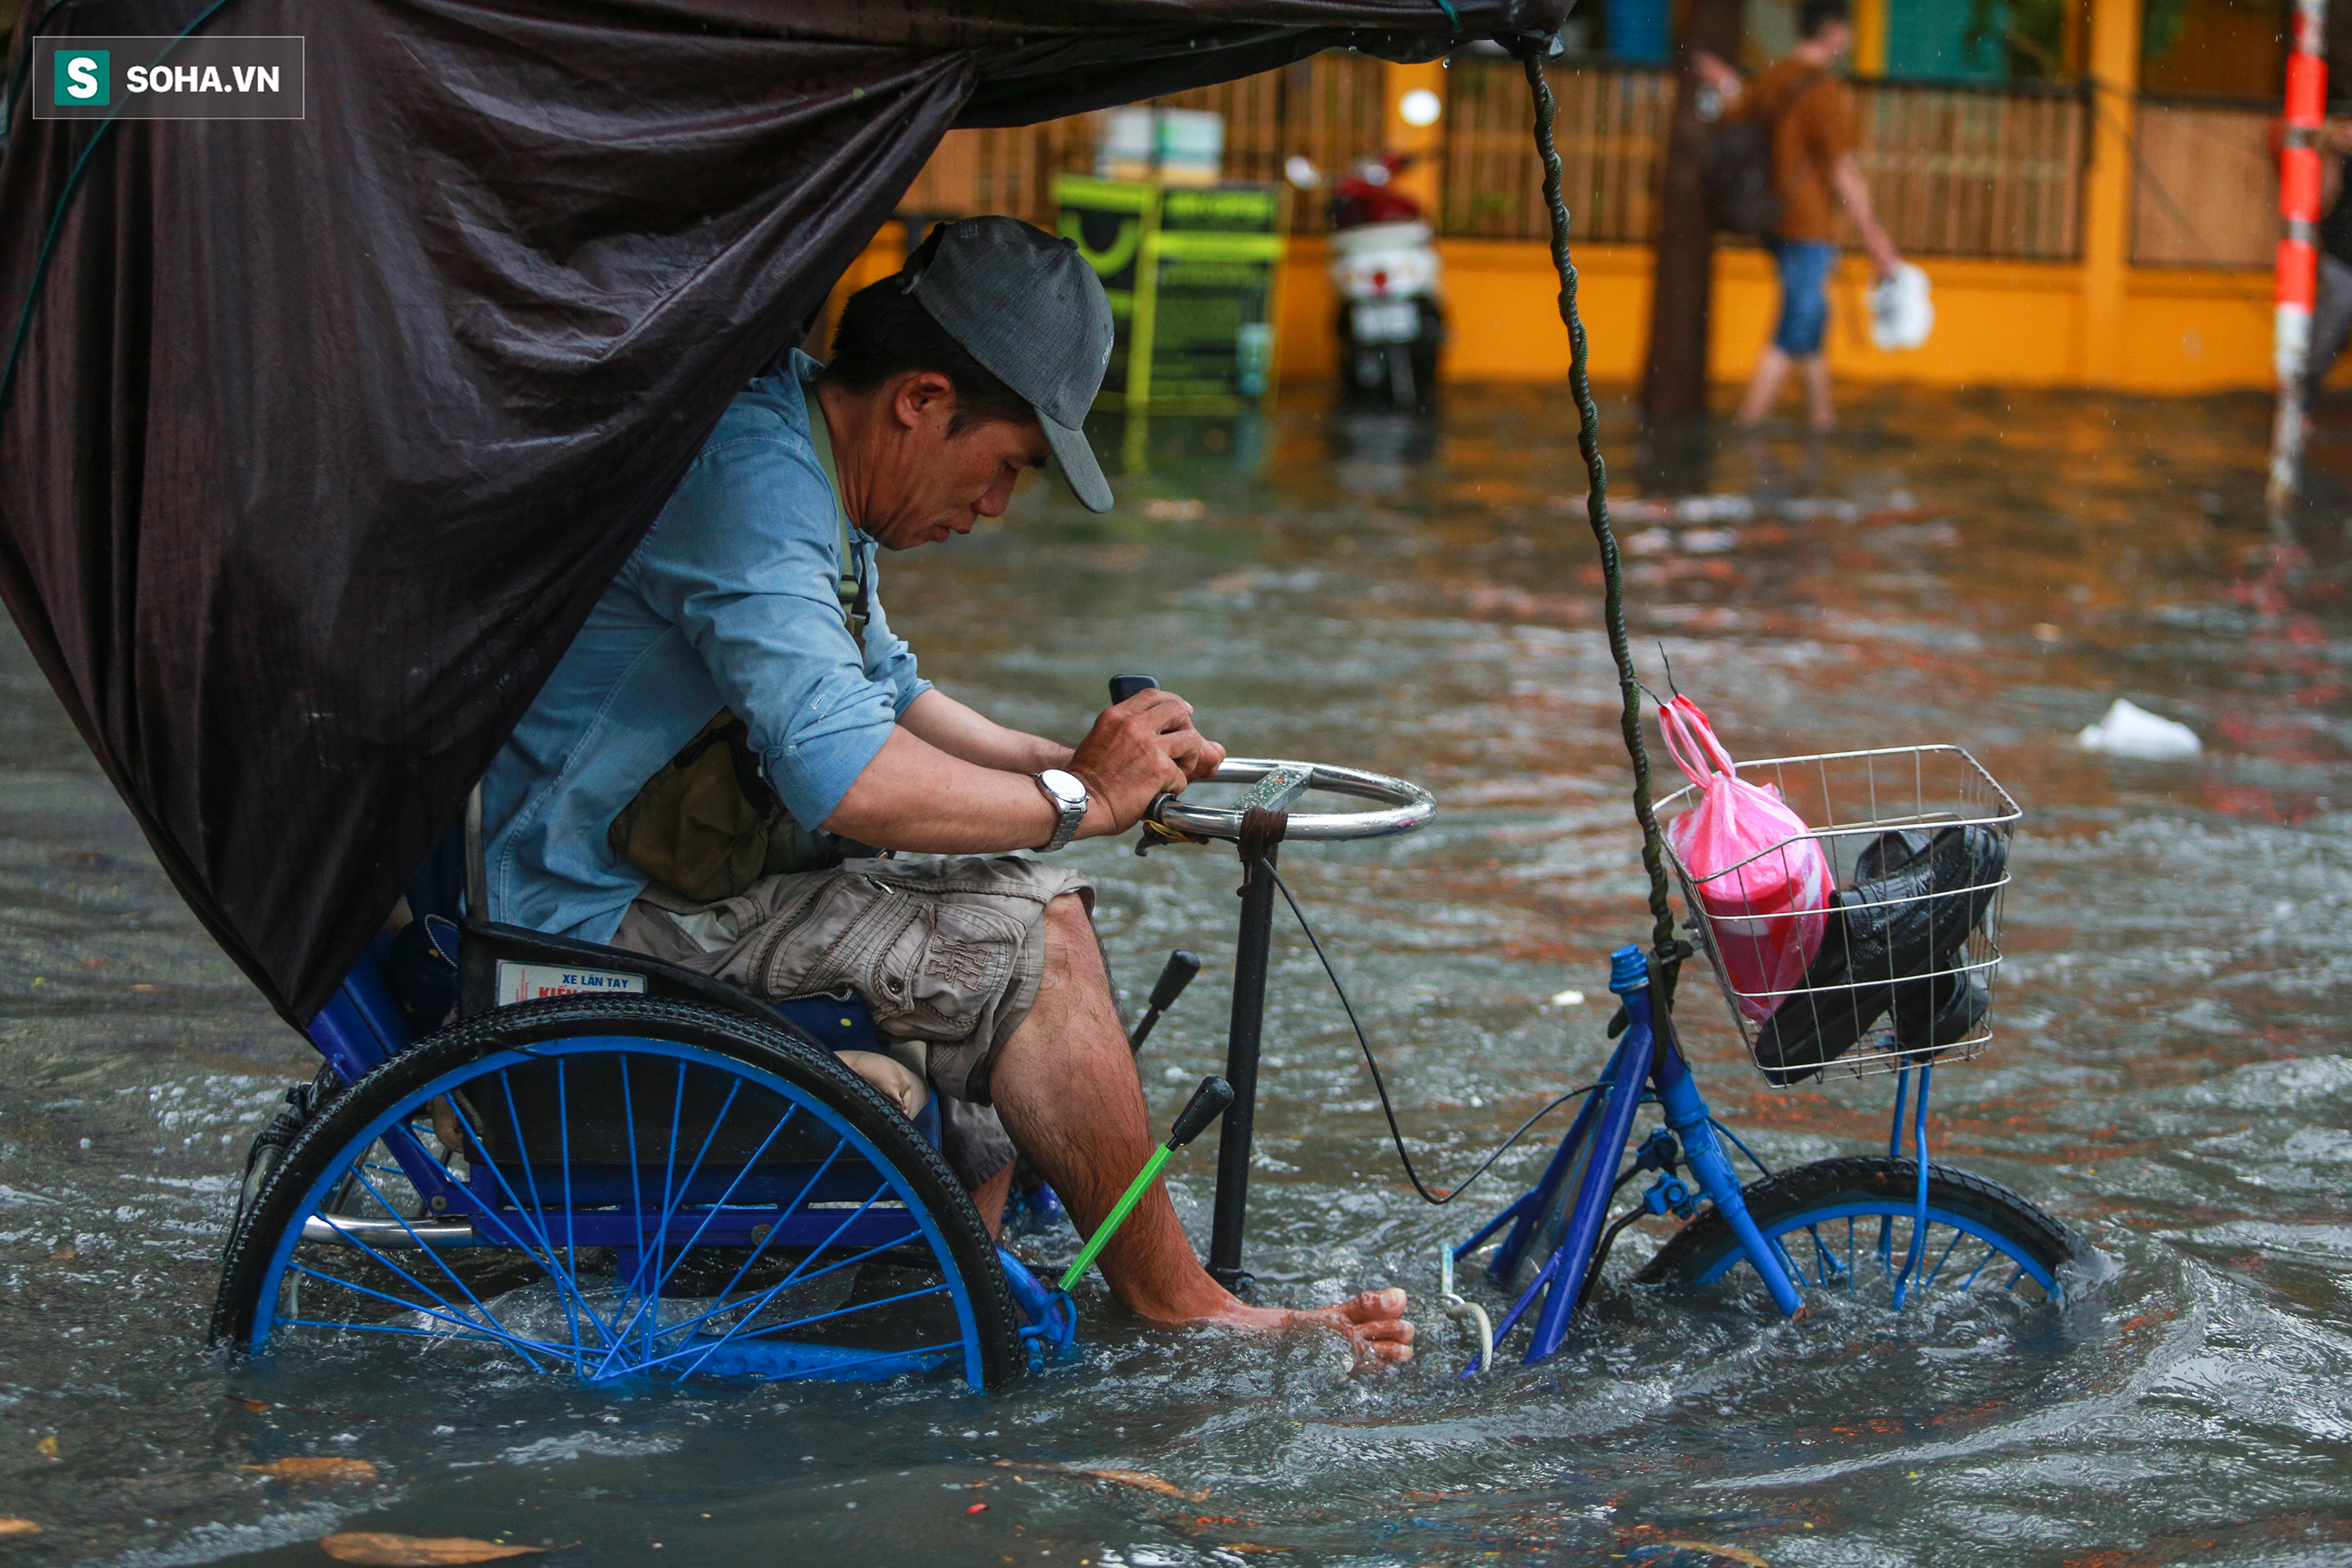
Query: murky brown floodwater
x,y
2172,1074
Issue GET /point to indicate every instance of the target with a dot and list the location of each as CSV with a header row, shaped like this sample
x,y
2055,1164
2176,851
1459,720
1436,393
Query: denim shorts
x,y
1805,266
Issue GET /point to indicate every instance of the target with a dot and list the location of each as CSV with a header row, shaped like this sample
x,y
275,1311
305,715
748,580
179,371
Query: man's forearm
x,y
919,798
948,725
1845,174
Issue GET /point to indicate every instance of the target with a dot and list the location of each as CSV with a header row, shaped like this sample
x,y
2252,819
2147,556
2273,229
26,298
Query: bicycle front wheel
x,y
1854,1226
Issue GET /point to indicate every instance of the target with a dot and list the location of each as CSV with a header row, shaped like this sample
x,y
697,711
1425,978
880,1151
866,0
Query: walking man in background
x,y
1807,115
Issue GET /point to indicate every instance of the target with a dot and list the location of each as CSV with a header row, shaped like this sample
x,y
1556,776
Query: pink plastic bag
x,y
1762,883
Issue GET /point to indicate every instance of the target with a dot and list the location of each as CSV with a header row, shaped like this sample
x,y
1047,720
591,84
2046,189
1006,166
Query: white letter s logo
x,y
83,75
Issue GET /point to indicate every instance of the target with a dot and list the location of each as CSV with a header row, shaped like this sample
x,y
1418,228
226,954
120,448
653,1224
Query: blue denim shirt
x,y
729,602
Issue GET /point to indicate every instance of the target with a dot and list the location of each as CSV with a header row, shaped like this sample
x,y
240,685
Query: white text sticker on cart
x,y
529,982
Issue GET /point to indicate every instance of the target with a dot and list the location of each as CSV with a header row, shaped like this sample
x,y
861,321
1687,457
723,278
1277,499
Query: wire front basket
x,y
1917,840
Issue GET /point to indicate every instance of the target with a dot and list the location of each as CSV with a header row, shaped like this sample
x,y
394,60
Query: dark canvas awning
x,y
321,437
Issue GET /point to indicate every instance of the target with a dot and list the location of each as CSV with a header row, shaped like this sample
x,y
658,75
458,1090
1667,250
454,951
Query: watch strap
x,y
1072,813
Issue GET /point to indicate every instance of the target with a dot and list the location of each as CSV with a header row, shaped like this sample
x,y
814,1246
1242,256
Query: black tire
x,y
1838,1192
257,1249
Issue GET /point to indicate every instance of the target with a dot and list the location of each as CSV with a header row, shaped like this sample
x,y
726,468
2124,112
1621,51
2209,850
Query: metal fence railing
x,y
1972,169
1954,169
1967,169
1611,132
1008,171
1328,109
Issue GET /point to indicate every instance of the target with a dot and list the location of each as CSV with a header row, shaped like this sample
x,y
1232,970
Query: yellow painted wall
x,y
1996,322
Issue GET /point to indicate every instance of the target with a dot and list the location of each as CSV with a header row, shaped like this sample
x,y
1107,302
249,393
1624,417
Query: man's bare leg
x,y
1764,386
990,1195
1820,408
1065,1086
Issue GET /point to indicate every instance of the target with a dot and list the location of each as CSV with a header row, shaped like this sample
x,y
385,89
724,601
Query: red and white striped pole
x,y
2298,246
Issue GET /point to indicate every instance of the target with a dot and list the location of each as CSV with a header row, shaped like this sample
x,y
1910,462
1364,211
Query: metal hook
x,y
1461,1310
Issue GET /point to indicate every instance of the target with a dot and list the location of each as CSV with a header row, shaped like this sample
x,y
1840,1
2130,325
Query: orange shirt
x,y
1811,115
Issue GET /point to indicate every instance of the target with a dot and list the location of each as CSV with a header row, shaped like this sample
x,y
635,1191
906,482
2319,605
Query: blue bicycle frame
x,y
1563,1215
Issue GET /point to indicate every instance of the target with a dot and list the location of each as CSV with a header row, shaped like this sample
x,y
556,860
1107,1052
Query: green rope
x,y
1666,950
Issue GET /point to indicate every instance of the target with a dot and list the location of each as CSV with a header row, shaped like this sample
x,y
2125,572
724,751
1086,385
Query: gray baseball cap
x,y
1027,305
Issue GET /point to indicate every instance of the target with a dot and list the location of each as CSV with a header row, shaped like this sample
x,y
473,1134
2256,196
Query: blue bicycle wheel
x,y
614,1187
1854,1226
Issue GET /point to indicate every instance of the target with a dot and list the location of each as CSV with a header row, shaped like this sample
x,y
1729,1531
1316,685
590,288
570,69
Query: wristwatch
x,y
1068,793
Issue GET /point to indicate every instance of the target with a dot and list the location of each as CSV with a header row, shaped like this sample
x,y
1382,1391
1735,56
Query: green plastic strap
x,y
1117,1217
1596,507
1451,14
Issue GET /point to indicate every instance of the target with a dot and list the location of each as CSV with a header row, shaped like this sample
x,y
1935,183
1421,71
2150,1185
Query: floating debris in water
x,y
418,1550
320,1469
2131,731
1142,1481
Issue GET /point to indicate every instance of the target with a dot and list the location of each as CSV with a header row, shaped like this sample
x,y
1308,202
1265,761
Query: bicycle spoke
x,y
669,1210
563,1133
773,1330
669,1202
1991,1252
850,1262
430,1251
603,1367
492,1332
1930,1283
566,1287
792,1277
1823,1256
399,1329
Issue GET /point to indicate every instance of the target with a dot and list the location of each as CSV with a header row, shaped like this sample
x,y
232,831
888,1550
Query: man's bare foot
x,y
1373,1324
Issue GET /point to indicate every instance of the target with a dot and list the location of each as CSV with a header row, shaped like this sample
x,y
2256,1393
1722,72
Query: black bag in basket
x,y
1915,900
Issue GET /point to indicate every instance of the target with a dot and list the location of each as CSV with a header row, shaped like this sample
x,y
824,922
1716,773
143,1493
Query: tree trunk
x,y
1683,270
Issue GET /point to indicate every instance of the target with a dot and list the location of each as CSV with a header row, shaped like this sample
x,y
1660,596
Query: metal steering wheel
x,y
1274,785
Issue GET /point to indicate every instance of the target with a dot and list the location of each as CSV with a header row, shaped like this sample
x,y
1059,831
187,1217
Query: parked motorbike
x,y
1385,264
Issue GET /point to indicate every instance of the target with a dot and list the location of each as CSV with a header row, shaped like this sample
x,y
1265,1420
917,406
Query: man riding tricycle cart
x,y
427,516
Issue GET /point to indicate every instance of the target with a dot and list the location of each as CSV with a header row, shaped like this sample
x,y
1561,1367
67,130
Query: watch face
x,y
1066,787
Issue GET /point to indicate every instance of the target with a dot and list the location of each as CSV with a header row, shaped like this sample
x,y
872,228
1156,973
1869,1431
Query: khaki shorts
x,y
947,953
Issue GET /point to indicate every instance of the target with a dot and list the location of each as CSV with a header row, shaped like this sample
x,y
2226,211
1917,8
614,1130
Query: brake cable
x,y
1381,1085
1666,951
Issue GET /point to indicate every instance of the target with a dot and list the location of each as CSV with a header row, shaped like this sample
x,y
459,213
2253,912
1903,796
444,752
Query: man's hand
x,y
1712,70
1143,748
1845,177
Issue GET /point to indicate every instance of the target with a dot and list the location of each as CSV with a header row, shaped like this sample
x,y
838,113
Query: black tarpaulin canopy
x,y
319,439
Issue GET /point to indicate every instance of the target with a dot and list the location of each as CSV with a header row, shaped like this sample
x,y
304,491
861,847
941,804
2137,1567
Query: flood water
x,y
2172,1071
